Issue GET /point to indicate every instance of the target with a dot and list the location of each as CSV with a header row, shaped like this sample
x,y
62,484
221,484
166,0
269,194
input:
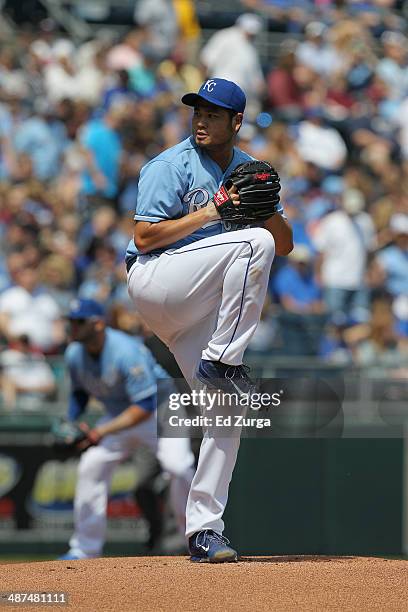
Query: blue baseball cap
x,y
86,309
219,92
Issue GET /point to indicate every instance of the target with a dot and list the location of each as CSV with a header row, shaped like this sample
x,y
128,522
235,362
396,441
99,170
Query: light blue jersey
x,y
124,373
180,181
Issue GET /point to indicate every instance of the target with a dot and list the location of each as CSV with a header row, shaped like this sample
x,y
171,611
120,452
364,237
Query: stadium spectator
x,y
284,90
392,262
302,318
57,276
316,53
102,149
393,67
231,54
119,91
319,143
36,138
343,239
295,285
27,309
159,19
26,378
279,147
127,54
60,76
381,348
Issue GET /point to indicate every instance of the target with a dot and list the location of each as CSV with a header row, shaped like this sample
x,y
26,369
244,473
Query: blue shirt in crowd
x,y
395,263
37,139
106,148
302,288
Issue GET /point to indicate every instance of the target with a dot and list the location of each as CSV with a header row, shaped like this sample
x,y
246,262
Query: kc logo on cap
x,y
209,85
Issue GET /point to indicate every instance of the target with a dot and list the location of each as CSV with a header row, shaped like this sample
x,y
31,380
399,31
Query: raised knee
x,y
263,241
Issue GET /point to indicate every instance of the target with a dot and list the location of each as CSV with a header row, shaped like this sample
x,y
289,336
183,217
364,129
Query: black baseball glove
x,y
70,438
258,186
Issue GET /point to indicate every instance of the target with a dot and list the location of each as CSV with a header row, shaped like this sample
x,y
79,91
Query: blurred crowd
x,y
329,110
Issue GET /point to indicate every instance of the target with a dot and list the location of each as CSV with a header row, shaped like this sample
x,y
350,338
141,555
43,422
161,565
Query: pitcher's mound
x,y
289,583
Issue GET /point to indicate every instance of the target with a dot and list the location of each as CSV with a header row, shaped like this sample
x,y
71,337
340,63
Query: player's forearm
x,y
129,418
280,229
150,236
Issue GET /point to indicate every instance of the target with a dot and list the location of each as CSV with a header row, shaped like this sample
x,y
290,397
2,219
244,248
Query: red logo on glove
x,y
263,176
221,196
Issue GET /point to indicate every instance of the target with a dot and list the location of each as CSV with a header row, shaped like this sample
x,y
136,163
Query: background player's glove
x,y
258,186
70,438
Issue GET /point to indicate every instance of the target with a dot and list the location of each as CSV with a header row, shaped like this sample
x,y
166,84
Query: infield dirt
x,y
162,584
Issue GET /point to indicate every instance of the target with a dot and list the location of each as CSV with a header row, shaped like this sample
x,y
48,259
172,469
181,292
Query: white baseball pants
x,y
95,472
205,300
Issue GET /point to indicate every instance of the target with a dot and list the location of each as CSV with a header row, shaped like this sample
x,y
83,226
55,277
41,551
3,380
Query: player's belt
x,y
130,262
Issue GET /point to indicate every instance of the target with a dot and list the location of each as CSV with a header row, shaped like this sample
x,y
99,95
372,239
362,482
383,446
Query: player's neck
x,y
94,345
222,156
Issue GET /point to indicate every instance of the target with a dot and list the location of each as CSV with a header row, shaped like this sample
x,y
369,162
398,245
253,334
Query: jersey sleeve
x,y
70,357
76,404
159,371
78,397
139,378
160,192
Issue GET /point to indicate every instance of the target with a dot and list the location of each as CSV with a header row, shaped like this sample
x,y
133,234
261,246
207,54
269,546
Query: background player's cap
x,y
219,92
86,309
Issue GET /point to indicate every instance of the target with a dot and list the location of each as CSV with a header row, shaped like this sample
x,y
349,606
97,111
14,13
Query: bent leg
x,y
225,277
91,496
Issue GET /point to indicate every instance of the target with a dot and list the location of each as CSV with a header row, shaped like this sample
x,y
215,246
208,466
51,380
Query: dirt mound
x,y
255,583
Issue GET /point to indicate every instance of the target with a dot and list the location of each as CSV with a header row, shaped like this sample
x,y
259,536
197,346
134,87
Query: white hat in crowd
x,y
41,49
353,201
315,28
399,223
249,23
63,48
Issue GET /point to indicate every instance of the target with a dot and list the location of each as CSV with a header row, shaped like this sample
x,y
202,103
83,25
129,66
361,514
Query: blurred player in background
x,y
120,372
